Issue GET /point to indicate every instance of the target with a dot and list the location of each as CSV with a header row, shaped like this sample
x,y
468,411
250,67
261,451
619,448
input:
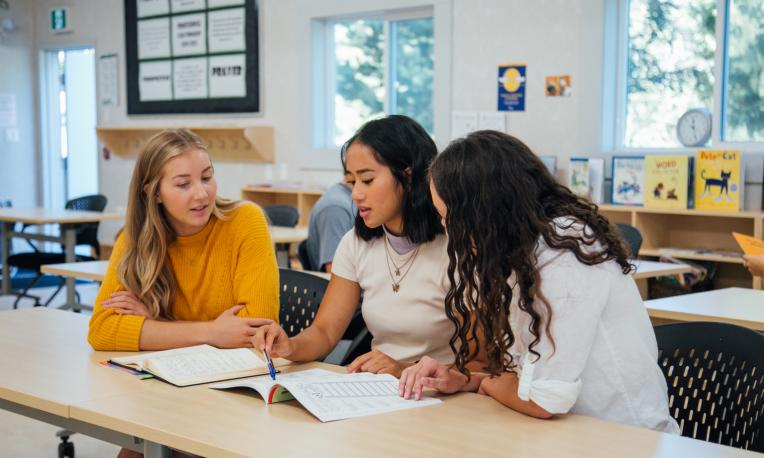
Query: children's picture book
x,y
750,245
597,180
718,180
332,396
578,176
198,364
628,180
667,181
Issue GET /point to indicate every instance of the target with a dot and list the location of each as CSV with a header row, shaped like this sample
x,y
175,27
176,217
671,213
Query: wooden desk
x,y
91,270
10,216
650,269
51,374
283,234
741,306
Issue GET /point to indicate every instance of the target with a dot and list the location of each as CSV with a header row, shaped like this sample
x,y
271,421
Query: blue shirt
x,y
331,218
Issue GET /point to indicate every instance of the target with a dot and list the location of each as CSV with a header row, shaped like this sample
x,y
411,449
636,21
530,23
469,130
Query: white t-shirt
x,y
411,323
605,360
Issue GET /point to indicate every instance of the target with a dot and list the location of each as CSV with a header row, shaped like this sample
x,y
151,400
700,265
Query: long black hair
x,y
403,146
500,199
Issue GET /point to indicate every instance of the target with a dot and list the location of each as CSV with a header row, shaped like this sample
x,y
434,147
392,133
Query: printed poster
x,y
512,87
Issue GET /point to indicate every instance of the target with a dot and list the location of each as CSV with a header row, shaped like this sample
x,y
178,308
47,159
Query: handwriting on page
x,y
202,364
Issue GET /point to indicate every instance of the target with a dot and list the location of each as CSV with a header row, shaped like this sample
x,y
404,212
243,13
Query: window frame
x,y
615,130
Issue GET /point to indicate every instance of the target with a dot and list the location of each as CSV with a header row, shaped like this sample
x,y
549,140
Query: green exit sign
x,y
59,19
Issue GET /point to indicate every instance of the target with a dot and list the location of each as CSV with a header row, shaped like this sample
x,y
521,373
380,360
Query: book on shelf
x,y
332,396
586,178
628,180
693,252
750,245
718,180
667,181
198,364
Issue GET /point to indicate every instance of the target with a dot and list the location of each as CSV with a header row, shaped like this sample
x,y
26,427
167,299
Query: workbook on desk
x,y
198,364
331,396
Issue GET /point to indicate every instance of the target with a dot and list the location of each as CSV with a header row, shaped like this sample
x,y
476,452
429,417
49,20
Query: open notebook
x,y
198,364
331,396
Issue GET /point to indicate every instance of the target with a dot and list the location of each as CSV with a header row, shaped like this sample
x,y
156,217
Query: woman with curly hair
x,y
540,294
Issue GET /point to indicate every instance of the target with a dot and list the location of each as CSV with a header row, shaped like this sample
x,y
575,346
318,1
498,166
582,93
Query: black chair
x,y
302,255
715,373
300,295
282,215
632,236
86,234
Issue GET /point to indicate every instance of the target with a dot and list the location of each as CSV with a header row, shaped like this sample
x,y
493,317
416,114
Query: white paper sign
x,y
227,75
189,35
152,8
108,80
189,78
8,110
155,81
180,6
226,30
154,38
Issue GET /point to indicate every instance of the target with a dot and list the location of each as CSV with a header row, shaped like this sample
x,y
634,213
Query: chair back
x,y
87,233
282,215
302,255
632,236
715,374
300,295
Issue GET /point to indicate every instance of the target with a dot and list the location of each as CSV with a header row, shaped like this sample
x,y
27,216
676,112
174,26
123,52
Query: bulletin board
x,y
192,56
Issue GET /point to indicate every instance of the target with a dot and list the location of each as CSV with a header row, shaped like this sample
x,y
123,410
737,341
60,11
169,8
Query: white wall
x,y
18,160
551,36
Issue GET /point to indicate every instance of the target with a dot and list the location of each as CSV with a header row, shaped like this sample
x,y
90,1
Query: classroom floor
x,y
23,437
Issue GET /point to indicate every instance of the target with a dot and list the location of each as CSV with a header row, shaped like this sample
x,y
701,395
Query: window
x,y
744,94
377,65
671,60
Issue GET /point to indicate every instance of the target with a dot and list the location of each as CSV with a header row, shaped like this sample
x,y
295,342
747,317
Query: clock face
x,y
694,127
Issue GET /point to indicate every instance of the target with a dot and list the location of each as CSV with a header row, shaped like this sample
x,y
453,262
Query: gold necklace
x,y
410,262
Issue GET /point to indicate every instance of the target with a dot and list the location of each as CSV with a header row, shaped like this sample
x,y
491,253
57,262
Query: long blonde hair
x,y
145,269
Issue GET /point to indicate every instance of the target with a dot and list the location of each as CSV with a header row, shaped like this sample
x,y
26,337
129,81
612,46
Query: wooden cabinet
x,y
696,235
225,143
302,199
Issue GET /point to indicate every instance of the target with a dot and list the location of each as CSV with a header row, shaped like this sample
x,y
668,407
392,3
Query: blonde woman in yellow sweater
x,y
189,267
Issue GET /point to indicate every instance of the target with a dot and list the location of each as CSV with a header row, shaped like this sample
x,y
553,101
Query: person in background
x,y
331,218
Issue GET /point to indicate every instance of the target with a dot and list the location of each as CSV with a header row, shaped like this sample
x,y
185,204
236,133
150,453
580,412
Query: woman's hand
x,y
430,373
126,303
231,331
378,363
755,264
273,339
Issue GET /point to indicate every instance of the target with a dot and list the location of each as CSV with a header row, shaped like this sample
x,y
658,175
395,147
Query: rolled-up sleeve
x,y
577,295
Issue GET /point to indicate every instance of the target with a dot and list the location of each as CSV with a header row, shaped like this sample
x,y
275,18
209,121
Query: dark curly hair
x,y
500,199
402,145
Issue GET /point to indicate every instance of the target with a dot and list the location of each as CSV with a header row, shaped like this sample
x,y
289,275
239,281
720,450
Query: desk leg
x,y
5,240
154,450
70,238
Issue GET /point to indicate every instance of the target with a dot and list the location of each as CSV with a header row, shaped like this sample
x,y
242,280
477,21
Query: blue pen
x,y
271,369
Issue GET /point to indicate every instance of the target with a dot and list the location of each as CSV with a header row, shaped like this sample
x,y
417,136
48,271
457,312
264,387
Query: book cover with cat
x,y
578,176
628,180
718,180
667,181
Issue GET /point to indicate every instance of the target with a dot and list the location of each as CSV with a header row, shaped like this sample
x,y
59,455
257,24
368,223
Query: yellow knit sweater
x,y
227,263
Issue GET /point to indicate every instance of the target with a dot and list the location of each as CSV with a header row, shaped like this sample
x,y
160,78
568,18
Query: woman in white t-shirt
x,y
395,255
544,281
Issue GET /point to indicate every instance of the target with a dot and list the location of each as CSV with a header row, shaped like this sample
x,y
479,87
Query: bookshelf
x,y
302,198
700,235
225,143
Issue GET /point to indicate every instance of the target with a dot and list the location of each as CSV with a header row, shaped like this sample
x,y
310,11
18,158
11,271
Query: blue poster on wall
x,y
512,87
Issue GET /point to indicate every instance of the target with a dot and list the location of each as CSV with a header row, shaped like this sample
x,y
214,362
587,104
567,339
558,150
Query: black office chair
x,y
282,215
300,295
302,255
86,234
715,374
632,236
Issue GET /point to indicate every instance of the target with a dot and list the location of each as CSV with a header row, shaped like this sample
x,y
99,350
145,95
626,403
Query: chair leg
x,y
26,290
55,293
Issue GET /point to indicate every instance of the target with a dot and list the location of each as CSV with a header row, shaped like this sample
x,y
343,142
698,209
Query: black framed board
x,y
192,56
